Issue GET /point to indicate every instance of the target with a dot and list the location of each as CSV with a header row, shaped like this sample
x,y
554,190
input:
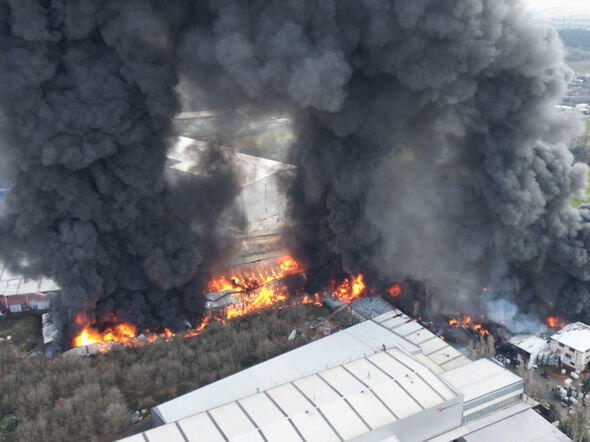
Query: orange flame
x,y
350,288
254,276
555,322
265,297
315,299
256,287
482,331
119,333
467,323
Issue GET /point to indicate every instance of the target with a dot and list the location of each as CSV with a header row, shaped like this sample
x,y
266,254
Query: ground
x,y
23,331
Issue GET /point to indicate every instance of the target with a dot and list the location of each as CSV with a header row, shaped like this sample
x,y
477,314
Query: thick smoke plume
x,y
428,146
88,98
428,143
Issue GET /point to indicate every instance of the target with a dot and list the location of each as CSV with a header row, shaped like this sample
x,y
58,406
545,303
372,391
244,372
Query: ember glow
x,y
466,322
394,290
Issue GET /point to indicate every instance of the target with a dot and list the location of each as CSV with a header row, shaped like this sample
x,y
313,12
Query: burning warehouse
x,y
423,144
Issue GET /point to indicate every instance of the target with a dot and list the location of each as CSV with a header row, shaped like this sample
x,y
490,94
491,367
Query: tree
x,y
575,427
586,384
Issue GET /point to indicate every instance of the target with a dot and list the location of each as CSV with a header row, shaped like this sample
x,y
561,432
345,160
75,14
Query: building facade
x,y
572,344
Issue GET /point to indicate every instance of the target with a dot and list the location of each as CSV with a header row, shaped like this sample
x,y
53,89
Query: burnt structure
x,y
427,146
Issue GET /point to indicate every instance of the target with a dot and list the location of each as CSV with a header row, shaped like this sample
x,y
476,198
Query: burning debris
x,y
467,322
255,275
427,148
243,290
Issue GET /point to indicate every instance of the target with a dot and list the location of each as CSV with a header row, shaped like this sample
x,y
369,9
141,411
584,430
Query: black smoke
x,y
88,97
427,143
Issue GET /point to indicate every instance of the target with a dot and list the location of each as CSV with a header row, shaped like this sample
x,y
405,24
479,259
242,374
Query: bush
x,y
90,398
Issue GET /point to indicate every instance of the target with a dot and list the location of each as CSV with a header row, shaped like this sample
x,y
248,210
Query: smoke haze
x,y
428,147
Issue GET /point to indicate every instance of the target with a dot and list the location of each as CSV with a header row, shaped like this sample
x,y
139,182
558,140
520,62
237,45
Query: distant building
x,y
572,343
261,199
22,303
387,378
19,294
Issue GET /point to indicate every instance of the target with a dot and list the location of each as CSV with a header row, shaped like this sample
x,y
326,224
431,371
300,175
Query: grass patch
x,y
24,331
581,67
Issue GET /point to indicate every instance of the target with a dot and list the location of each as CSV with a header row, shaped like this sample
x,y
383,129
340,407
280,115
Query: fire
x,y
555,322
467,323
315,299
289,266
265,297
255,287
394,290
350,288
256,275
119,333
482,331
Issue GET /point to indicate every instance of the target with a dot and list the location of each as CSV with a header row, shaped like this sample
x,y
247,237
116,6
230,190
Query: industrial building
x,y
19,294
261,199
528,346
387,378
572,344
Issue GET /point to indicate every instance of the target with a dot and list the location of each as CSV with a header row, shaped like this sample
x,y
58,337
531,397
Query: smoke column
x,y
88,97
428,146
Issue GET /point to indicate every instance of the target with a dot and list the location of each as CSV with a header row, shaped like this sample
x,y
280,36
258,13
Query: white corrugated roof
x,y
575,335
13,284
480,378
441,356
349,344
526,426
338,403
322,391
529,343
392,329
